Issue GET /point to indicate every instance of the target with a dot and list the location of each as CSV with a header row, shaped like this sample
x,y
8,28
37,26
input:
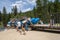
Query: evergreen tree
x,y
20,13
9,16
0,16
56,6
45,6
4,16
34,12
39,7
14,10
45,12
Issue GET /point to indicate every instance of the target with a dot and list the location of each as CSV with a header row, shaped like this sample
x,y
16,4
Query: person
x,y
13,23
24,20
27,24
21,26
18,25
9,25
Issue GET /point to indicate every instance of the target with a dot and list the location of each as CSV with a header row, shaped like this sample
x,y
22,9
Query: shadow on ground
x,y
49,31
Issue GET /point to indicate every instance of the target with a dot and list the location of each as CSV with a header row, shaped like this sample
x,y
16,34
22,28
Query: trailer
x,y
35,24
44,27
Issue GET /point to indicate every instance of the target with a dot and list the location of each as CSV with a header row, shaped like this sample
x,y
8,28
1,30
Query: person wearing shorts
x,y
20,25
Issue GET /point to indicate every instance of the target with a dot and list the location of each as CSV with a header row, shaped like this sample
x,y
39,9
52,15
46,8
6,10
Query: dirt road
x,y
12,34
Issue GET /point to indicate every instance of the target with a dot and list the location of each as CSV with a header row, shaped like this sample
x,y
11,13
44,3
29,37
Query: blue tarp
x,y
35,20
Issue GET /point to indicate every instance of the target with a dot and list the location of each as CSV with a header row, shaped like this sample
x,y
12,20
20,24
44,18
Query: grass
x,y
1,25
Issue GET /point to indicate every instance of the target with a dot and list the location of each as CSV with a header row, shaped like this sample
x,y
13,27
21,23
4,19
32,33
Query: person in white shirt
x,y
20,25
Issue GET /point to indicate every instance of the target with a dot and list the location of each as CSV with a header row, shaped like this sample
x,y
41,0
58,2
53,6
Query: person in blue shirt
x,y
9,25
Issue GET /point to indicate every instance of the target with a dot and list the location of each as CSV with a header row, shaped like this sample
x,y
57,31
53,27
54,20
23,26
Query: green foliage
x,y
57,6
4,16
0,16
43,9
14,10
39,7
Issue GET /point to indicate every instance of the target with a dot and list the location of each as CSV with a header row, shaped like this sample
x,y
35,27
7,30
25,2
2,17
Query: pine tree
x,y
34,12
4,17
0,16
56,6
39,7
9,16
14,10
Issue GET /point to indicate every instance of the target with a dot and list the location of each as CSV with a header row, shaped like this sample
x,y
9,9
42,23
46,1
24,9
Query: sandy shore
x,y
12,34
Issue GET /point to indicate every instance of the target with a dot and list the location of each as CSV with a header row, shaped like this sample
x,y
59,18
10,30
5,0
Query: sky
x,y
23,5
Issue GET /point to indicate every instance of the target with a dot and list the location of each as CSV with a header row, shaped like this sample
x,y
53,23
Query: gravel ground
x,y
12,34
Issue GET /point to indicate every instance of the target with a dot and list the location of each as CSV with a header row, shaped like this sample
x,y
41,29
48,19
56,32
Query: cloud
x,y
19,4
24,5
33,2
6,4
28,9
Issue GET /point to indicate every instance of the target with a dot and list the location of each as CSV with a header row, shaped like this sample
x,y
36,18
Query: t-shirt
x,y
18,24
9,23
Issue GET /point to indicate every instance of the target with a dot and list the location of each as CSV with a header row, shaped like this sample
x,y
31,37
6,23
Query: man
x,y
20,25
23,26
9,24
26,23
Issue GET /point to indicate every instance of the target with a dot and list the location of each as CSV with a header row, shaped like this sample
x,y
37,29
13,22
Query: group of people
x,y
22,23
19,24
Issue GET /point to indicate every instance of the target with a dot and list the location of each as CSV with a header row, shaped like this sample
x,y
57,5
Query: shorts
x,y
19,27
24,25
